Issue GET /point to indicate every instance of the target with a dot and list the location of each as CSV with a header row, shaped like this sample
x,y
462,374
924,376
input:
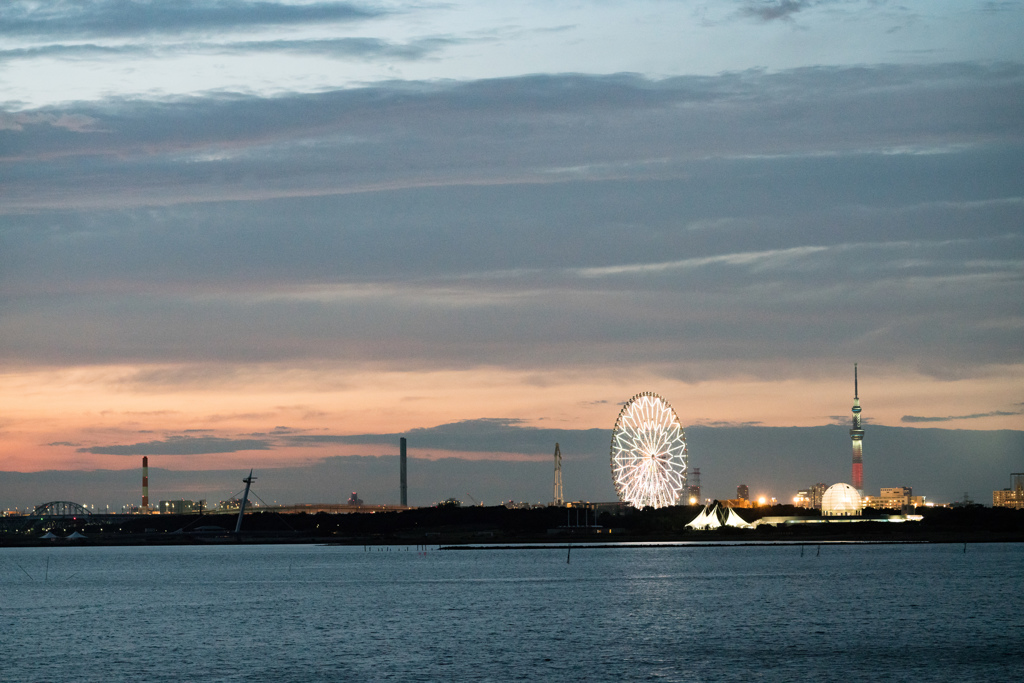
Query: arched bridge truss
x,y
62,509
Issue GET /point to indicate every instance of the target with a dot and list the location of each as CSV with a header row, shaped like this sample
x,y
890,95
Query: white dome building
x,y
841,500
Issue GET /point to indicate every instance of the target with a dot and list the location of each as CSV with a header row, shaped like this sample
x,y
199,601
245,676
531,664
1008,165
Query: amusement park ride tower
x,y
857,437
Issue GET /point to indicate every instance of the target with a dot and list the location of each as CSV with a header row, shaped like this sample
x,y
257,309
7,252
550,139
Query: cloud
x,y
119,18
497,435
279,431
1000,6
773,10
534,129
183,445
709,225
74,52
337,48
974,416
346,47
77,123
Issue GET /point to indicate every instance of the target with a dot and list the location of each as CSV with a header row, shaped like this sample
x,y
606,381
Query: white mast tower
x,y
559,498
245,498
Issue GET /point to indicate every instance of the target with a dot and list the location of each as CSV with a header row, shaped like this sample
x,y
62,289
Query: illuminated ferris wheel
x,y
648,453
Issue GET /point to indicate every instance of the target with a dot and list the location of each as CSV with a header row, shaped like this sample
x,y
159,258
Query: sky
x,y
279,234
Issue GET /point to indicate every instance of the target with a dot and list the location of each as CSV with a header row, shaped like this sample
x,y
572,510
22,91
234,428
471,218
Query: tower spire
x,y
857,438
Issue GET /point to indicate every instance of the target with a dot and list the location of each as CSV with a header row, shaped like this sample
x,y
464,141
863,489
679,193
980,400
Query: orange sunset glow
x,y
49,415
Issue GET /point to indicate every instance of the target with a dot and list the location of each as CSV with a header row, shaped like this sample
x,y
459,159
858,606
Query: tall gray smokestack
x,y
403,484
145,484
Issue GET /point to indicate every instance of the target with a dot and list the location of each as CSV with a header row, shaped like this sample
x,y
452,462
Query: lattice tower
x,y
558,496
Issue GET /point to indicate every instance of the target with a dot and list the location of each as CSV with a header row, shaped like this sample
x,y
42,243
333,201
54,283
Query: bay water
x,y
298,613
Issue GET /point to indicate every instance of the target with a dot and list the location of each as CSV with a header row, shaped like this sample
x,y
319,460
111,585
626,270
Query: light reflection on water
x,y
315,613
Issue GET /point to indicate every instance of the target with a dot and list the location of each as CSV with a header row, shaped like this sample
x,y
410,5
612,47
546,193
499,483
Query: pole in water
x,y
965,547
568,554
801,551
819,551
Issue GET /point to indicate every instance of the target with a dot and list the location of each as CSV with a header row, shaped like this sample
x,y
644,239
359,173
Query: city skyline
x,y
238,235
774,462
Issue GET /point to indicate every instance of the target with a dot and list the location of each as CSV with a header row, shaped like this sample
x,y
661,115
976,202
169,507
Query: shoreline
x,y
500,526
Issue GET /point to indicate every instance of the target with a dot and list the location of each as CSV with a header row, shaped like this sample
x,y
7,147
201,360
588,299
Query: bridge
x,y
61,509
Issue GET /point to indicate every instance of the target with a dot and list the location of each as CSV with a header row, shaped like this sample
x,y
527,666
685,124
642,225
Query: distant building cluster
x,y
181,507
895,498
234,505
810,497
1012,497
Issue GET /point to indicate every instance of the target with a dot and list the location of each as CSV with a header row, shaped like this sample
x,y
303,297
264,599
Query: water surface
x,y
328,613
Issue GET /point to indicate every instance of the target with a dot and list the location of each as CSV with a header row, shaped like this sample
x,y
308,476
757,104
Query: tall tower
x,y
558,496
693,489
145,484
857,436
402,482
245,499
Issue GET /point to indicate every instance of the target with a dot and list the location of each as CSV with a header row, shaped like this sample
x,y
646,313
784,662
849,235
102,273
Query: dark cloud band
x,y
182,445
995,413
119,18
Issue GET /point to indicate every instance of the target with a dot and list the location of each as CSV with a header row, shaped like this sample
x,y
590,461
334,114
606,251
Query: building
x,y
743,492
903,493
857,437
1007,498
893,498
181,507
841,500
810,497
1011,497
230,505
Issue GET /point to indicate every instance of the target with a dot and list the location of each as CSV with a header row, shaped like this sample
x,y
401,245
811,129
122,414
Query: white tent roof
x,y
713,519
698,521
49,535
706,519
76,535
735,520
